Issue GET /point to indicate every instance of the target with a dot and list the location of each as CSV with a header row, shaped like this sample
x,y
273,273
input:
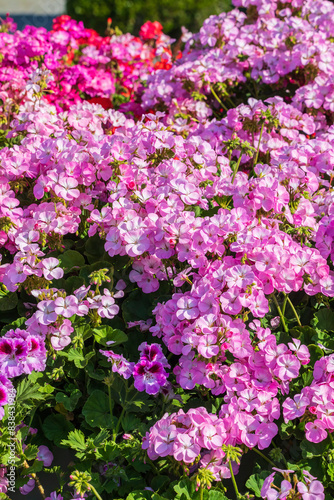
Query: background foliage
x,y
129,15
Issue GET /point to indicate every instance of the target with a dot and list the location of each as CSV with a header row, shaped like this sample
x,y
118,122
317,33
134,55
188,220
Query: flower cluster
x,y
195,437
209,193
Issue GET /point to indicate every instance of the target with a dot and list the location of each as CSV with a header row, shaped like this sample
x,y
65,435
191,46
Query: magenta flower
x,y
149,376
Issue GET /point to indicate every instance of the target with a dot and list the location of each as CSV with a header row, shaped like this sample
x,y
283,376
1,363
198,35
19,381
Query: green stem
x,y
294,311
154,467
233,480
281,315
236,168
263,456
119,420
201,493
220,102
258,146
284,305
95,492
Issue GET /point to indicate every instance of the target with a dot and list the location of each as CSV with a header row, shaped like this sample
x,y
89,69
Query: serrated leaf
x,y
97,412
76,440
56,428
255,482
102,437
37,466
216,495
31,451
27,391
130,422
139,495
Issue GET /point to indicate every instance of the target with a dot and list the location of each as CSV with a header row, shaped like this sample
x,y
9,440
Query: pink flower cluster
x,y
307,489
73,63
188,436
317,400
229,202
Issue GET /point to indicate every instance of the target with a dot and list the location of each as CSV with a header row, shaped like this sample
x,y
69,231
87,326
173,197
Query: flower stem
x,y
236,168
119,421
220,102
95,492
281,315
234,481
294,311
37,481
258,146
263,456
284,305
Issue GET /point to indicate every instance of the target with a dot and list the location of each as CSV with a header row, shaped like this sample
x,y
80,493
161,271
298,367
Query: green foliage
x,y
130,15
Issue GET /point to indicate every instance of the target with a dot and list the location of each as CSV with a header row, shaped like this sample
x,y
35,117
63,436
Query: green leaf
x,y
106,333
325,319
136,306
31,451
310,450
159,482
16,324
316,353
255,482
216,495
56,428
75,354
26,391
97,374
139,495
71,259
76,440
37,466
130,422
184,488
102,437
73,283
96,410
9,301
70,401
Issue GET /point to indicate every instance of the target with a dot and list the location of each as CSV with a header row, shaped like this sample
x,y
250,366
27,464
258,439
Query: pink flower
x,y
67,306
187,308
287,367
185,449
51,270
46,313
315,431
45,455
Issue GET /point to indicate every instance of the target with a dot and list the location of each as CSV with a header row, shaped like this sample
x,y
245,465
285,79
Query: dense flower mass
x,y
186,199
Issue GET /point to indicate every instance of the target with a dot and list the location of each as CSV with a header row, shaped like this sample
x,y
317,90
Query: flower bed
x,y
166,232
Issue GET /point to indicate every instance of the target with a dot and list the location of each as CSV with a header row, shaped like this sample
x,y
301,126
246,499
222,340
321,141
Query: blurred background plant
x,y
129,15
